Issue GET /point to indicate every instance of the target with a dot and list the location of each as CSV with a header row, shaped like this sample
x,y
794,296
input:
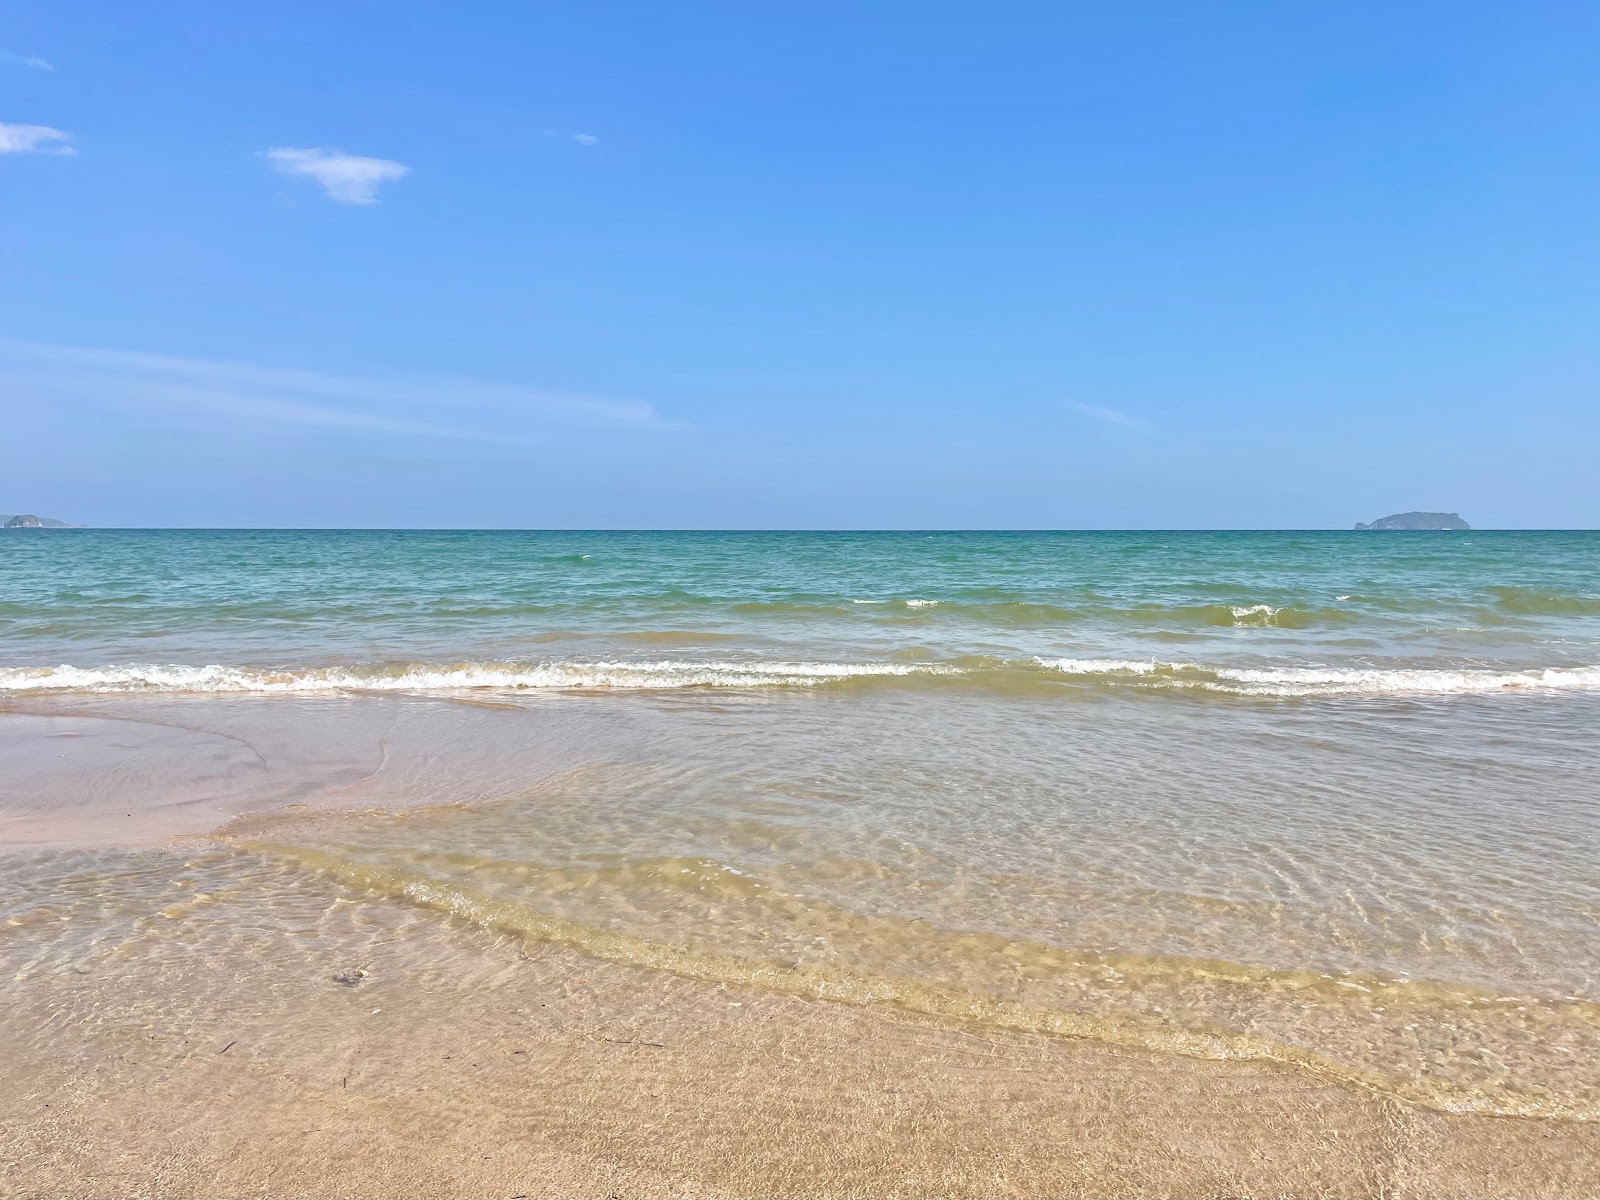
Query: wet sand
x,y
356,1050
101,771
565,1076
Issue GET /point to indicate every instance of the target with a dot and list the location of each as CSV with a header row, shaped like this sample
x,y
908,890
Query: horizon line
x,y
930,529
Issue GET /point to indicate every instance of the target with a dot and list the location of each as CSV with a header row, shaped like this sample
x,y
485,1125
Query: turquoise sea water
x,y
1311,612
1328,798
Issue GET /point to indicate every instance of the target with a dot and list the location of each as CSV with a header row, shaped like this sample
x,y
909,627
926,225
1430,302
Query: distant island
x,y
29,521
1418,520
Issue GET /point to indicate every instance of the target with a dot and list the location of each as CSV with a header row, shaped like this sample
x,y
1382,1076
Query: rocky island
x,y
29,521
1417,520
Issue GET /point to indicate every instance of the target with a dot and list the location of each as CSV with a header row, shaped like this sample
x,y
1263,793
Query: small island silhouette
x,y
29,521
1417,520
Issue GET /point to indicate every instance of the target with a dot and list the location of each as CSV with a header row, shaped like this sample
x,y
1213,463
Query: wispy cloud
x,y
346,178
1111,416
245,394
585,139
26,60
34,139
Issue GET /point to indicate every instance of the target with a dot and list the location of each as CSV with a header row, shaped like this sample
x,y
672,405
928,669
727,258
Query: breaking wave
x,y
440,677
1334,681
671,674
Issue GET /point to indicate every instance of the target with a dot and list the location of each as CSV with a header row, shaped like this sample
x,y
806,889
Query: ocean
x,y
1323,798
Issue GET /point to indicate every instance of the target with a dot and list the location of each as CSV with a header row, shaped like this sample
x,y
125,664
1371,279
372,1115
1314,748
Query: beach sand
x,y
346,1049
565,1076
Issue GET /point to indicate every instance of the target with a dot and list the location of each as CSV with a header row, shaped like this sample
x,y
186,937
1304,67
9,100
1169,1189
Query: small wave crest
x,y
1254,614
1310,681
428,677
1099,666
1332,681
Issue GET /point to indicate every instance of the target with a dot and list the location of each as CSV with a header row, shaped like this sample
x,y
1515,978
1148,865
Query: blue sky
x,y
800,265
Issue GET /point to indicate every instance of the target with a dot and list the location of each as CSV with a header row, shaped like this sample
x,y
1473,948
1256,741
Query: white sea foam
x,y
426,677
921,603
1311,681
668,674
1333,681
1255,615
1099,666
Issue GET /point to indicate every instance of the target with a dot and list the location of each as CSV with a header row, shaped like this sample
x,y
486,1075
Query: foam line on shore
x,y
672,674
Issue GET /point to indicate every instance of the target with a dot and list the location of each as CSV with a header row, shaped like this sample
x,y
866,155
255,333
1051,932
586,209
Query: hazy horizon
x,y
931,529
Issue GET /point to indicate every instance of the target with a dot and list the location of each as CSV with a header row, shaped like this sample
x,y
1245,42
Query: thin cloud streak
x,y
247,394
26,60
34,139
345,178
1111,416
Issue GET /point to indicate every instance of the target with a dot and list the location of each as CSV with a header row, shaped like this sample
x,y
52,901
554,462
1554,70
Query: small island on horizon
x,y
30,521
1417,520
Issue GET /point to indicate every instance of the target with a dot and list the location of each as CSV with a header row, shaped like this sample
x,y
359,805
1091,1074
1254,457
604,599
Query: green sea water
x,y
1326,798
1272,612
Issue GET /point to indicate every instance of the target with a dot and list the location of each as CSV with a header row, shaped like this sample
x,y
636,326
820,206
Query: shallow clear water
x,y
1327,798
